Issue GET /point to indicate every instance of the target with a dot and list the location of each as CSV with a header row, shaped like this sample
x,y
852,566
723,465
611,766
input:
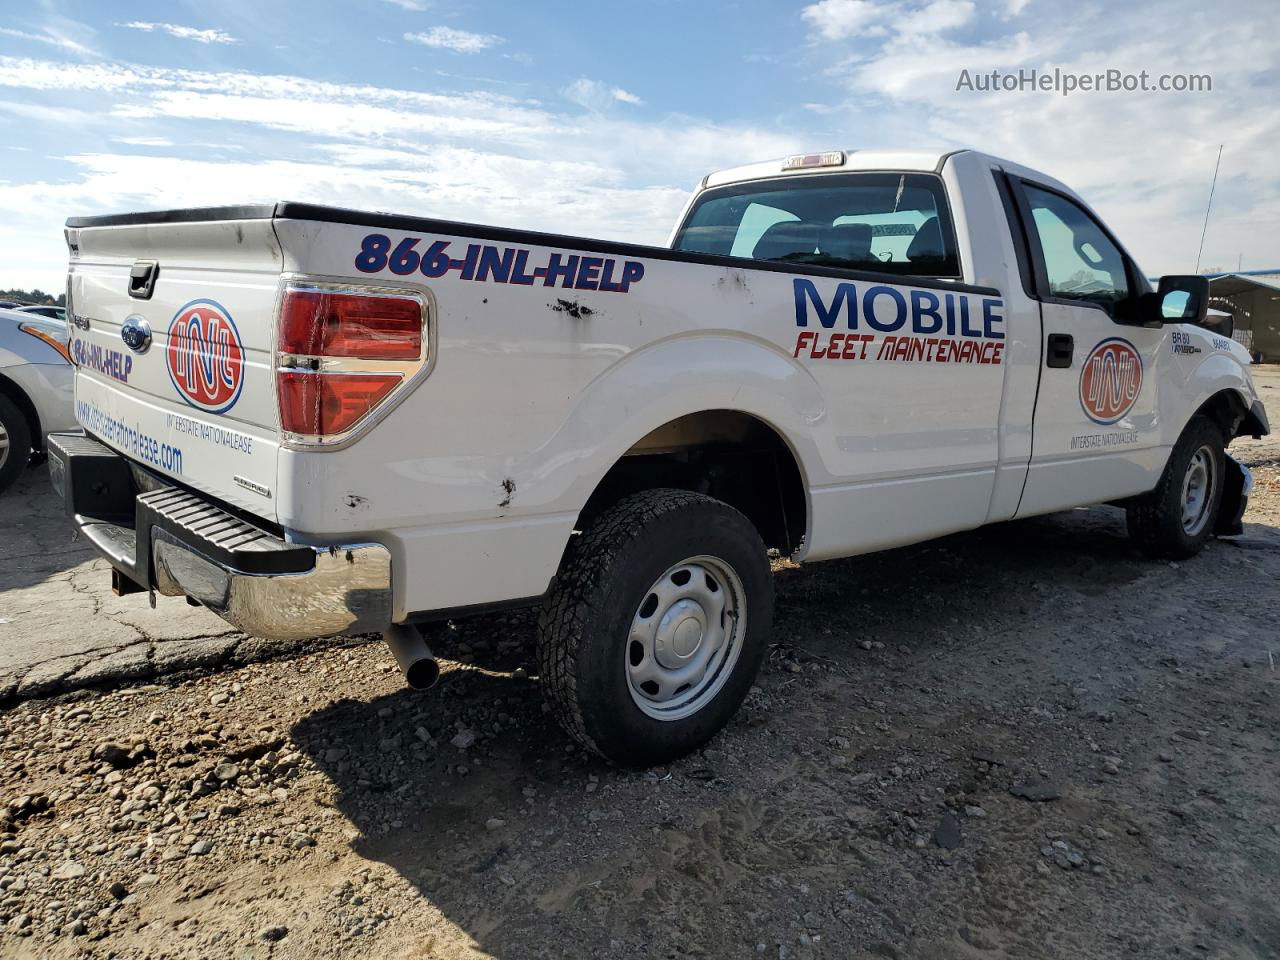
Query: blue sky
x,y
598,118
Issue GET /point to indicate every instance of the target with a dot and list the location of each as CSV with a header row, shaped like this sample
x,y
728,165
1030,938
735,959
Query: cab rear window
x,y
886,222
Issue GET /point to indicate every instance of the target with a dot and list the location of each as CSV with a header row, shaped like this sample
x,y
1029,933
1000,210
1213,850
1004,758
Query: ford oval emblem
x,y
136,333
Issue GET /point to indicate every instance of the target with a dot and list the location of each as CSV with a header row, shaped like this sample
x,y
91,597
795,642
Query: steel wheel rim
x,y
4,445
685,638
1198,487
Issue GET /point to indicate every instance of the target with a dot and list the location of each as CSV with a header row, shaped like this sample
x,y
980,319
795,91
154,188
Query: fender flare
x,y
689,374
1220,374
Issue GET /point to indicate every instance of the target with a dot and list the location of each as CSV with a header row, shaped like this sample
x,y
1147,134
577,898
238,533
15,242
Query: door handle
x,y
1062,348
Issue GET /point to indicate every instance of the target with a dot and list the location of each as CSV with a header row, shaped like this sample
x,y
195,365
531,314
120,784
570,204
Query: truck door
x,y
1096,433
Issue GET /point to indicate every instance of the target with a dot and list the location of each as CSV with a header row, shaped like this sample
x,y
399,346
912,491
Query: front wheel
x,y
655,626
1176,519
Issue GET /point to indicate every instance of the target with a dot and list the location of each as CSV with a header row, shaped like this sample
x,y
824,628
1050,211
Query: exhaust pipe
x,y
418,664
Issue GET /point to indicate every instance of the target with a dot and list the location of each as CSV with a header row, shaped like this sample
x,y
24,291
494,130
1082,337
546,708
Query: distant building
x,y
1252,297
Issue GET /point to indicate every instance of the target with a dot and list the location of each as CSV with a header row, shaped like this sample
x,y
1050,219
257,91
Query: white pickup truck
x,y
316,421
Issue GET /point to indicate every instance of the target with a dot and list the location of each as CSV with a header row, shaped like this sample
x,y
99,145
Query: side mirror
x,y
1182,299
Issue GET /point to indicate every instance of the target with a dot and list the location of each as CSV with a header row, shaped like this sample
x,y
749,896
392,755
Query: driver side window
x,y
1080,261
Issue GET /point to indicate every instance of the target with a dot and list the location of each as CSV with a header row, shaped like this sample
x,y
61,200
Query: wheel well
x,y
1227,410
732,456
23,403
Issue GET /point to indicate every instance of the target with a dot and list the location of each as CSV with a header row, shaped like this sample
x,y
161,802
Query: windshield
x,y
887,222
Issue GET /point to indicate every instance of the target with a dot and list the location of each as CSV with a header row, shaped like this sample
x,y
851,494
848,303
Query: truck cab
x,y
317,421
1061,415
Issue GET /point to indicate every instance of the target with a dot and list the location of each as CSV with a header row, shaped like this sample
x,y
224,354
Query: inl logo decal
x,y
1110,381
205,356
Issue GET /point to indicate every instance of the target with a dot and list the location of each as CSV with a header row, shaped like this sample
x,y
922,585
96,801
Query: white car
x,y
36,388
313,420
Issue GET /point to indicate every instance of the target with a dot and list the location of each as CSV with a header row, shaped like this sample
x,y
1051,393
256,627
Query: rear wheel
x,y
655,626
15,442
1176,519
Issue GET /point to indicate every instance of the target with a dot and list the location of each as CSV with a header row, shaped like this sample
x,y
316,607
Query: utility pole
x,y
1209,207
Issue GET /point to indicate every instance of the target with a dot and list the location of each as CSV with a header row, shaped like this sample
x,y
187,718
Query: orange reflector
x,y
50,339
327,404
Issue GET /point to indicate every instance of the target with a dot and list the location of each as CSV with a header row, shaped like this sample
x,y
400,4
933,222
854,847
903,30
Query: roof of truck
x,y
924,161
927,161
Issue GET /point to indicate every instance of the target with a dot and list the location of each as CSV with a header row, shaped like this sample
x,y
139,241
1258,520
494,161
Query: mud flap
x,y
1237,484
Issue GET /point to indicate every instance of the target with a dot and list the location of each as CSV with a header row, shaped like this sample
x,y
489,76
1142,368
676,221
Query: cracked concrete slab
x,y
131,663
52,619
172,655
47,676
61,627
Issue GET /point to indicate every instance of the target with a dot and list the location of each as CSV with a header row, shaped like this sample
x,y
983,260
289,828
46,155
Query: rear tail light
x,y
327,404
322,323
342,353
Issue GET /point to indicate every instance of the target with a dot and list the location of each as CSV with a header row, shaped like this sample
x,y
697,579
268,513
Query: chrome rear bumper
x,y
347,590
178,543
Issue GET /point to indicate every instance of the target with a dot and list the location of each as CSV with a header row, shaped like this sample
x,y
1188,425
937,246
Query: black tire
x,y
13,459
606,577
1156,519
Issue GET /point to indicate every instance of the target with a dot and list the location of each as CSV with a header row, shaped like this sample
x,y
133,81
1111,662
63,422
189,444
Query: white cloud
x,y
336,119
181,32
855,19
937,17
598,96
50,38
843,19
1014,8
282,102
1142,159
52,113
415,5
922,67
459,41
470,155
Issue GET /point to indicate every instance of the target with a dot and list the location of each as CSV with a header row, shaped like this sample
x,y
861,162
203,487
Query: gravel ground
x,y
1021,742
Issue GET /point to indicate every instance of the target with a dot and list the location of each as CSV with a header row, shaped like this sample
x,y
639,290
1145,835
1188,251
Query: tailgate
x,y
171,331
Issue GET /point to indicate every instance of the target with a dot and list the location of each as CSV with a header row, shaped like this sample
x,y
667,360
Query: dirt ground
x,y
1017,743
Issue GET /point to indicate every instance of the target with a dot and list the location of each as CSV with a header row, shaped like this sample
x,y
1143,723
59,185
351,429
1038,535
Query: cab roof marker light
x,y
804,161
